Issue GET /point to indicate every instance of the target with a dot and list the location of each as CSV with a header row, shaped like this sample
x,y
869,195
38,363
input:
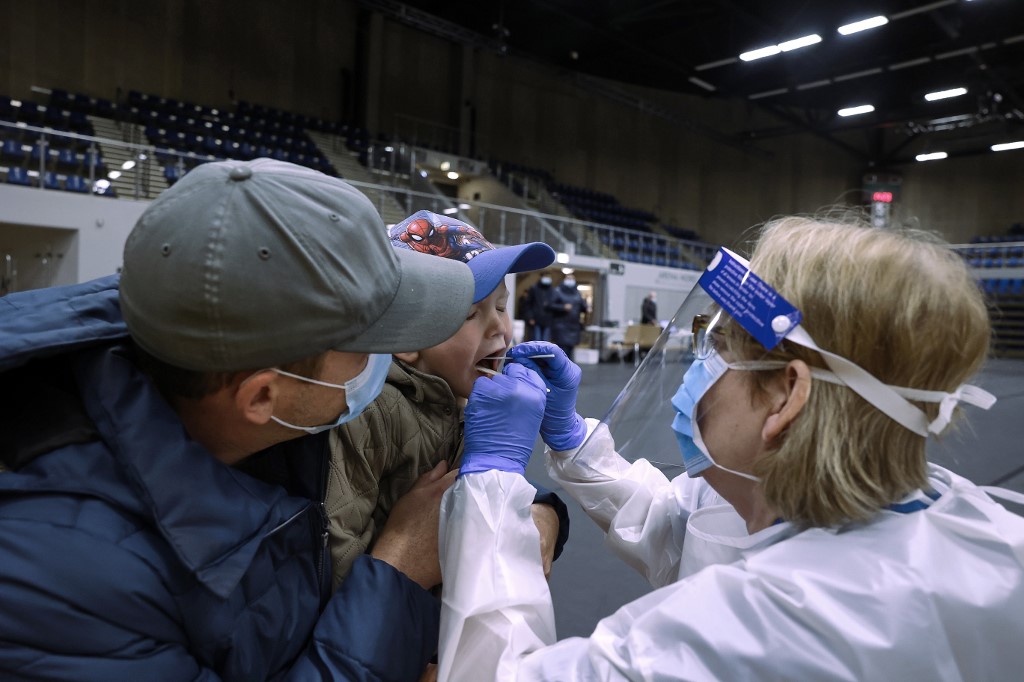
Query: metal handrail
x,y
501,224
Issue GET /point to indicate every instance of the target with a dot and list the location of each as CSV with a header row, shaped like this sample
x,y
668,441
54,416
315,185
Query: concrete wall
x,y
290,55
88,232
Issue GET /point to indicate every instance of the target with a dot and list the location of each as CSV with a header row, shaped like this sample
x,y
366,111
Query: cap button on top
x,y
240,173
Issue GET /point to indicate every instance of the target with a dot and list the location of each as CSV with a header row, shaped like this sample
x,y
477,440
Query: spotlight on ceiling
x,y
933,156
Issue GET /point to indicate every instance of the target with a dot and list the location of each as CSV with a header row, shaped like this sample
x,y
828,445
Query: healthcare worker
x,y
809,538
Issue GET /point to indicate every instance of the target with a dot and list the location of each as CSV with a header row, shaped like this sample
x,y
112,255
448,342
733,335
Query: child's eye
x,y
501,309
471,316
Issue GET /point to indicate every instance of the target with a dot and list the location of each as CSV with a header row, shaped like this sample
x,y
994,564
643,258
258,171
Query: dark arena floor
x,y
588,583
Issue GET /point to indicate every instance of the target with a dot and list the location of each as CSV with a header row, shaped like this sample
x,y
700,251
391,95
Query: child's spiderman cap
x,y
448,237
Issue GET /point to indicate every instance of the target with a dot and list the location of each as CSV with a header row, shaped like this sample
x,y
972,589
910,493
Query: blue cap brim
x,y
490,267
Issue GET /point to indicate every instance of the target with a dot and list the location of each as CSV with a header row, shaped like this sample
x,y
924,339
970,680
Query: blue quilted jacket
x,y
127,552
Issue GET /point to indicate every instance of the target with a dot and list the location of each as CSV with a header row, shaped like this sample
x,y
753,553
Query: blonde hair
x,y
899,304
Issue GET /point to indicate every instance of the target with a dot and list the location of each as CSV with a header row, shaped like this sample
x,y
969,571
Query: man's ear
x,y
256,395
410,358
788,400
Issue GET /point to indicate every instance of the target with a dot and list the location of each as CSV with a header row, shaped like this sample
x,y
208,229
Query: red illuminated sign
x,y
883,197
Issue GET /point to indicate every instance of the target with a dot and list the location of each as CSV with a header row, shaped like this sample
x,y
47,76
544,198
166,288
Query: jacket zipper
x,y
324,534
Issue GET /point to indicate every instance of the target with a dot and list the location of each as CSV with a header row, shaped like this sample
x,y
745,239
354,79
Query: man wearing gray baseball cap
x,y
141,539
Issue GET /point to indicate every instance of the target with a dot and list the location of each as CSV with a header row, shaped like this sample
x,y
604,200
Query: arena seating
x,y
43,145
1005,298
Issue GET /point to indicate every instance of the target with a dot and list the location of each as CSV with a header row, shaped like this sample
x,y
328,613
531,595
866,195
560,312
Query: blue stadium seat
x,y
68,159
76,183
172,174
11,150
17,175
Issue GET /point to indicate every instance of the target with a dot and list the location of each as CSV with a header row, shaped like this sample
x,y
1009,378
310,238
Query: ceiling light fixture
x,y
945,94
760,52
797,43
701,84
452,175
1007,146
853,111
786,46
933,156
863,25
450,211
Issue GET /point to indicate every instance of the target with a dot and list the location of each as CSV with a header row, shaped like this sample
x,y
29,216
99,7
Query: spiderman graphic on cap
x,y
436,235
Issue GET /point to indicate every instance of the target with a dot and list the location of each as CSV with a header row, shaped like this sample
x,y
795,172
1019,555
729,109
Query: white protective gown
x,y
935,594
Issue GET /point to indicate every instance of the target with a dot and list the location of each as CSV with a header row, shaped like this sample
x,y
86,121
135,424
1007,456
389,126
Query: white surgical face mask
x,y
360,391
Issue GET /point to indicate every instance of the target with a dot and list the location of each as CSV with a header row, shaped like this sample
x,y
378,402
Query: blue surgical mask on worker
x,y
360,391
697,381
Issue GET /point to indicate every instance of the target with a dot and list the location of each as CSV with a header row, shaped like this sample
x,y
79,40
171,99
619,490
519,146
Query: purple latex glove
x,y
502,419
562,428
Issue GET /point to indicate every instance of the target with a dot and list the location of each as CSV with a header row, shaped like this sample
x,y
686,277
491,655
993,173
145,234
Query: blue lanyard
x,y
914,505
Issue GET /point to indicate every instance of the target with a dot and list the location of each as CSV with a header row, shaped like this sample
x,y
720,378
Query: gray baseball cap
x,y
252,264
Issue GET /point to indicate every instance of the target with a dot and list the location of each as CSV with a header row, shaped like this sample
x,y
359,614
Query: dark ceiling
x,y
693,47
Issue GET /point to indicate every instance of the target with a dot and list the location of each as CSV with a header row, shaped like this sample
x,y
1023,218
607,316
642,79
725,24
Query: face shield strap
x,y
893,400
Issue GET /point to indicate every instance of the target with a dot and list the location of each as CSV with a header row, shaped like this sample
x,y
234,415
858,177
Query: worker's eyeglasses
x,y
707,335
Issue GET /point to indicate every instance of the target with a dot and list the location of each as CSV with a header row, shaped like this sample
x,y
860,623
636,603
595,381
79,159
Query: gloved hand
x,y
502,419
562,428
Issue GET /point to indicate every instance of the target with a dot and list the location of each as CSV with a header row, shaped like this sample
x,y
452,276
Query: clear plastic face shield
x,y
692,403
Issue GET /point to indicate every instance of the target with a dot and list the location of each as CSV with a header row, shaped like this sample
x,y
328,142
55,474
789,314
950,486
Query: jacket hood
x,y
45,322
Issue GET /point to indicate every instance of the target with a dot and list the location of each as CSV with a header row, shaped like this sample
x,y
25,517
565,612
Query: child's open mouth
x,y
490,366
493,364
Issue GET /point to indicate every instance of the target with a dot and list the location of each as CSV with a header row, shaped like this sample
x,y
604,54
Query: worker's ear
x,y
256,395
410,358
788,396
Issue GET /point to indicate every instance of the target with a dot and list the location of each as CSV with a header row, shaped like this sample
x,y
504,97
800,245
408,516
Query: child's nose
x,y
500,325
